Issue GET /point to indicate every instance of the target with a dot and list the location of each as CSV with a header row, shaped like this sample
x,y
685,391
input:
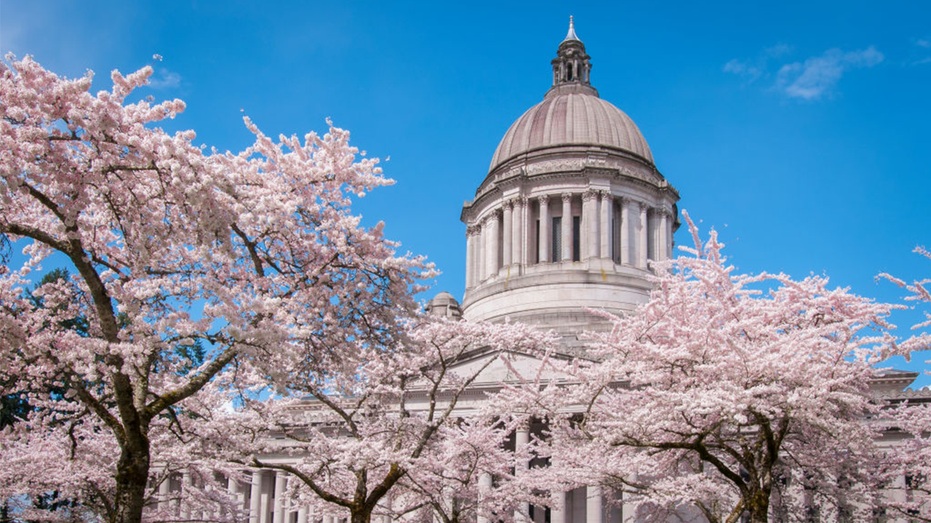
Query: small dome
x,y
573,118
444,298
445,305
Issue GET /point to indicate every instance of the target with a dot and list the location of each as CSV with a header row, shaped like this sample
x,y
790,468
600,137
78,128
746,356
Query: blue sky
x,y
799,130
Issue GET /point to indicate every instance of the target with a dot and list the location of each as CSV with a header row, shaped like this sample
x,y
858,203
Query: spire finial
x,y
571,34
571,66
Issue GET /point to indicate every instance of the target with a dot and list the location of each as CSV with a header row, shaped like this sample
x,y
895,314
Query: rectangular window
x,y
536,242
576,238
557,238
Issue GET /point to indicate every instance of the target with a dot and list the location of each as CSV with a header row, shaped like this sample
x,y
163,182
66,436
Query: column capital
x,y
605,195
508,204
472,230
588,196
544,199
566,197
523,425
523,200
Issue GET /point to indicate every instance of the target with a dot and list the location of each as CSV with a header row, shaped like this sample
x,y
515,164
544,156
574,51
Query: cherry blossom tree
x,y
906,470
727,395
254,258
385,432
449,481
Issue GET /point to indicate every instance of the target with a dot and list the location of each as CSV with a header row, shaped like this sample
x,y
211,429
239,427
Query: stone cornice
x,y
573,164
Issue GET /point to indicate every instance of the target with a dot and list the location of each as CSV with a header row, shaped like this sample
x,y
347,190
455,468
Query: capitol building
x,y
569,216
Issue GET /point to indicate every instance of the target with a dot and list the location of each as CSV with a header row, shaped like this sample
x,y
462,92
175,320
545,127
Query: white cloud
x,y
777,51
920,53
756,68
164,79
817,76
750,72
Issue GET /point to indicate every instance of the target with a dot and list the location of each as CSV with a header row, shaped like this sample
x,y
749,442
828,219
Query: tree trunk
x,y
132,474
360,516
758,507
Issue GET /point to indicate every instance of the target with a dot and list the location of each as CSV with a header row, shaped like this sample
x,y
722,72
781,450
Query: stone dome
x,y
571,118
570,214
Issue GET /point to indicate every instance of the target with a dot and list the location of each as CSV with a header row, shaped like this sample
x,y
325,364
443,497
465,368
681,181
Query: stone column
x,y
477,263
506,244
558,512
232,486
606,224
662,252
255,497
470,255
527,232
281,485
545,221
493,243
486,248
670,240
626,258
517,237
164,492
484,484
643,242
265,503
628,509
521,440
302,515
185,512
566,227
593,504
589,244
478,260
